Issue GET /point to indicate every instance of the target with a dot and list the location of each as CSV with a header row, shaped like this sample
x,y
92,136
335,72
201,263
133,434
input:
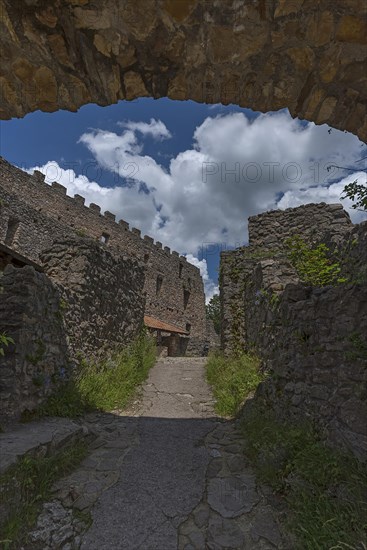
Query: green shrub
x,y
232,379
326,491
312,263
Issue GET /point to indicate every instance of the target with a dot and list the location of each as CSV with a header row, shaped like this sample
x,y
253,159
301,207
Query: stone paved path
x,y
165,475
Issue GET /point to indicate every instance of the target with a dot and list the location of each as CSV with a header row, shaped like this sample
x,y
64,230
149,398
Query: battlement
x,y
98,220
34,214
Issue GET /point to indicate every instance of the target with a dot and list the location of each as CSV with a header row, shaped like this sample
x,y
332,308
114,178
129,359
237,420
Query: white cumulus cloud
x,y
236,168
329,194
155,128
209,286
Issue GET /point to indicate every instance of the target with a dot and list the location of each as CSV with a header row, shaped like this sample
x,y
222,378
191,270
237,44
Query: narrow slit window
x,y
159,283
13,226
105,238
186,298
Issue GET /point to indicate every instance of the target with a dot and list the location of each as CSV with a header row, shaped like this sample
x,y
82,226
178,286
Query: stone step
x,y
39,438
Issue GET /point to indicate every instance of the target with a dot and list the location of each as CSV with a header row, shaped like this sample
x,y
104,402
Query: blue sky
x,y
187,174
40,137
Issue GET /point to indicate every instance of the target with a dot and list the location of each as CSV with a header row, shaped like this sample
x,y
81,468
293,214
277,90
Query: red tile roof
x,y
150,322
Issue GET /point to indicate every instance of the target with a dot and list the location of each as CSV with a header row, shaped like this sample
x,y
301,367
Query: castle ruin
x,y
308,57
311,339
108,279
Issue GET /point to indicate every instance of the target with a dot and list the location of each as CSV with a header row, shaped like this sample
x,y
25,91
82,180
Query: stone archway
x,y
265,54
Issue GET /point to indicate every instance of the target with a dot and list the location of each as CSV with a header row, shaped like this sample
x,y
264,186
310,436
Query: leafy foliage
x,y
312,263
232,380
325,490
357,193
213,312
4,343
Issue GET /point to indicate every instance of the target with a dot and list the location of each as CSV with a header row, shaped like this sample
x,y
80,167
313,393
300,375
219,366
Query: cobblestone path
x,y
166,474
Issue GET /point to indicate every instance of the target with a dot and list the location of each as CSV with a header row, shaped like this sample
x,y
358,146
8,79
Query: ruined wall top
x,y
313,222
327,223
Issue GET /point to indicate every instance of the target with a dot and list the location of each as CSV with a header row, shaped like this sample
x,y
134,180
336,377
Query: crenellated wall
x,y
34,214
26,229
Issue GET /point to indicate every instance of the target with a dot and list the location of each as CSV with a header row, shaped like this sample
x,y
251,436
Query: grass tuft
x,y
27,485
325,490
111,385
105,386
232,380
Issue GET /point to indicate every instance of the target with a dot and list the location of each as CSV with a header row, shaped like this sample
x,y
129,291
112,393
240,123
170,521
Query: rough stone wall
x,y
266,54
102,297
89,303
46,213
25,229
30,313
235,267
314,222
312,341
354,253
213,337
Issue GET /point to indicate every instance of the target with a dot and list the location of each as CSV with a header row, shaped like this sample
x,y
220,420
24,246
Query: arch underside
x,y
265,54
